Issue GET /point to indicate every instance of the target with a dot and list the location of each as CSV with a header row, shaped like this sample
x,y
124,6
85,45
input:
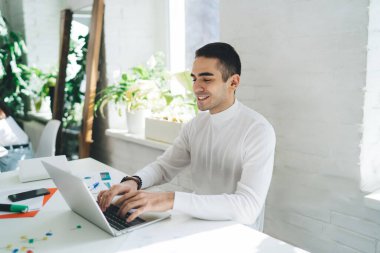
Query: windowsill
x,y
138,139
373,200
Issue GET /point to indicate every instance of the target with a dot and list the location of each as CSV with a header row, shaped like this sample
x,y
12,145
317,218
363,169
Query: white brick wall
x,y
42,32
304,66
134,30
370,161
12,10
39,22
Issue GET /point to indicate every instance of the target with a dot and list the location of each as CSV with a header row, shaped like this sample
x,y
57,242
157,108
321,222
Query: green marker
x,y
14,208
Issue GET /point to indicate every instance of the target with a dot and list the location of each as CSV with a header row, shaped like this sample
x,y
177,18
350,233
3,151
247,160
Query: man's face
x,y
211,91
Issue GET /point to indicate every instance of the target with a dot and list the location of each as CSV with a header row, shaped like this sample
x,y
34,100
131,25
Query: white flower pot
x,y
42,105
117,116
162,130
136,121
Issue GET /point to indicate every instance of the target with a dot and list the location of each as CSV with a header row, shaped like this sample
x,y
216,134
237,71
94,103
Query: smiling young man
x,y
228,147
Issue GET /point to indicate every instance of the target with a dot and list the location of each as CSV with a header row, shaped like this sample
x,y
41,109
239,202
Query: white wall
x,y
76,5
39,22
12,11
304,66
134,30
42,24
370,159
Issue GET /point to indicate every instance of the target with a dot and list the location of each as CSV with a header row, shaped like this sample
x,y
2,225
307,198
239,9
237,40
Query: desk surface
x,y
180,233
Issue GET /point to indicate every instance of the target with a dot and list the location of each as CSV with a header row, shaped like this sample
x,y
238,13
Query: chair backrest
x,y
46,145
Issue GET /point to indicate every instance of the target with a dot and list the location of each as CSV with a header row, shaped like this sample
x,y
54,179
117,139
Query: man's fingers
x,y
121,200
100,196
130,204
126,196
101,199
144,201
106,198
135,214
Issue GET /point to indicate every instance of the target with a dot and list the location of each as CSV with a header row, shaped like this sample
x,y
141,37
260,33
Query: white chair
x,y
46,145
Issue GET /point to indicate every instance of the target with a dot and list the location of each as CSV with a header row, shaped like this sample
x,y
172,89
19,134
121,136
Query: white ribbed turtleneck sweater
x,y
230,155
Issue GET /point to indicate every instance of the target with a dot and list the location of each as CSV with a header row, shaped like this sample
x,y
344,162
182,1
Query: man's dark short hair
x,y
229,60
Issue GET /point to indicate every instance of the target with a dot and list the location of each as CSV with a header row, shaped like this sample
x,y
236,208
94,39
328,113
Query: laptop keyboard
x,y
117,222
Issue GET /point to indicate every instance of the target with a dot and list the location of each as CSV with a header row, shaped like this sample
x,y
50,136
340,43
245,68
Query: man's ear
x,y
2,114
235,81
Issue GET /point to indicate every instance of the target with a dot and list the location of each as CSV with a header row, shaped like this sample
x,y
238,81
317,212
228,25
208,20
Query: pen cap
x,y
19,208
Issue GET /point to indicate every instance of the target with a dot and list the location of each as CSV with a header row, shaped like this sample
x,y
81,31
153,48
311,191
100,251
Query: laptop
x,y
80,200
32,169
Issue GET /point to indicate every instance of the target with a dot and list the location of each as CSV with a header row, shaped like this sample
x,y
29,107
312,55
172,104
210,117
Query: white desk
x,y
180,233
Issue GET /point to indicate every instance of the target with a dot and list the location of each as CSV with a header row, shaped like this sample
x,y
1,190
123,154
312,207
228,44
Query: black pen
x,y
14,208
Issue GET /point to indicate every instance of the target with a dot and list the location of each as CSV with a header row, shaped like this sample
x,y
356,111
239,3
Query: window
x,y
193,23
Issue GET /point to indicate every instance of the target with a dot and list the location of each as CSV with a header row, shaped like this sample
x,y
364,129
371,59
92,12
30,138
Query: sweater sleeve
x,y
175,159
245,204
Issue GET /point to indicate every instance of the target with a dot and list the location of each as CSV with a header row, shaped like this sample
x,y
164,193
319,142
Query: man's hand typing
x,y
144,201
105,197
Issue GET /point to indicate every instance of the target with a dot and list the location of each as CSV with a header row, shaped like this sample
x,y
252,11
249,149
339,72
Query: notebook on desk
x,y
32,169
80,200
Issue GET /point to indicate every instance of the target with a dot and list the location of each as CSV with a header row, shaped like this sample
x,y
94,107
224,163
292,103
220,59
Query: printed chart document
x,y
97,181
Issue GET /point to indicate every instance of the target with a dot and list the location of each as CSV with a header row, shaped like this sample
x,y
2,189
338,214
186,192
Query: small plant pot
x,y
136,121
117,116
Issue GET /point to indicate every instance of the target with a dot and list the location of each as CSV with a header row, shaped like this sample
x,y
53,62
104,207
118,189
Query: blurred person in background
x,y
14,139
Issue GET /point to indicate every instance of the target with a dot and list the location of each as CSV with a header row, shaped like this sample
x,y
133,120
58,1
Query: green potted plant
x,y
136,93
40,85
165,123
